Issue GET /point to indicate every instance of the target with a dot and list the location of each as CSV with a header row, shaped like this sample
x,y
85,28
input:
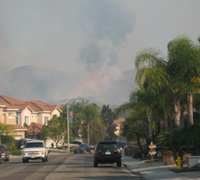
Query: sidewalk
x,y
157,170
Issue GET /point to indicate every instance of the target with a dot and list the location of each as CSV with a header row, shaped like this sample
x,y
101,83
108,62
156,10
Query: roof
x,y
41,106
38,128
12,103
119,121
17,126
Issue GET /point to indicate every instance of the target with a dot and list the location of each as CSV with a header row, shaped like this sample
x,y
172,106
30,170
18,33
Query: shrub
x,y
15,152
9,141
135,152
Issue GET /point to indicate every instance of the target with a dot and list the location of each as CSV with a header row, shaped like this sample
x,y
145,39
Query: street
x,y
61,166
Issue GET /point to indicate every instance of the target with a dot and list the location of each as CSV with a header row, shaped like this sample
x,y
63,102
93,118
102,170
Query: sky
x,y
97,38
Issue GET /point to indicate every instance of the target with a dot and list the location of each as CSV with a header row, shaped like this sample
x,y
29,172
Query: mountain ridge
x,y
53,86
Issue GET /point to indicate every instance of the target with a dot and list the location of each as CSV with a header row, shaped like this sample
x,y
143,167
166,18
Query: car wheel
x,y
95,164
24,160
119,163
0,160
8,158
46,158
5,160
27,160
43,159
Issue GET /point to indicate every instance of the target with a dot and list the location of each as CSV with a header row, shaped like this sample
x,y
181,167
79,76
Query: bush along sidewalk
x,y
15,152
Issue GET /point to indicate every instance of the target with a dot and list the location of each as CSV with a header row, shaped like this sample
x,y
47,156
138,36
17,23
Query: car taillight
x,y
96,153
119,153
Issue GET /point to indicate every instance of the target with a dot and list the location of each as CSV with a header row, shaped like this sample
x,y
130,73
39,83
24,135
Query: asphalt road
x,y
62,166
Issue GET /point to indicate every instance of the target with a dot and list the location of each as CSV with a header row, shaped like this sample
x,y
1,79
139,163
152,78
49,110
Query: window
x,y
46,118
10,115
26,120
17,120
37,144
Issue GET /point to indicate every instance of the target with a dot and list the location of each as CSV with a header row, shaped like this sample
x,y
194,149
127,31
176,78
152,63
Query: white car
x,y
34,150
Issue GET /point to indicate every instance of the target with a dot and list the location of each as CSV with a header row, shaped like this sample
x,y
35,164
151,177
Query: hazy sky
x,y
99,38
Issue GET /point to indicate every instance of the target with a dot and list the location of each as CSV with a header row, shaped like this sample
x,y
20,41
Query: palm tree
x,y
145,100
152,71
184,68
135,129
33,126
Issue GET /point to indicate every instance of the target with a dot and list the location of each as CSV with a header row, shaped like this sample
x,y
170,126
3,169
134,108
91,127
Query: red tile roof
x,y
12,103
17,126
38,128
119,121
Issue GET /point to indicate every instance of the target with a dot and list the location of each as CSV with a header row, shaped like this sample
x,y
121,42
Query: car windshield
x,y
106,146
37,144
1,148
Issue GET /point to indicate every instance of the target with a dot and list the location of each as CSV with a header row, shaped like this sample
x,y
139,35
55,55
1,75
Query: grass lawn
x,y
56,151
154,160
185,170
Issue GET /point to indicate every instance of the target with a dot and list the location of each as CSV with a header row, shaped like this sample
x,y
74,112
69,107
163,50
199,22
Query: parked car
x,y
83,148
159,152
4,153
21,143
107,152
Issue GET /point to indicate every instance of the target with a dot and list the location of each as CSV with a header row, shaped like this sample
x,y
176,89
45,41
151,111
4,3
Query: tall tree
x,y
107,115
184,67
55,133
151,77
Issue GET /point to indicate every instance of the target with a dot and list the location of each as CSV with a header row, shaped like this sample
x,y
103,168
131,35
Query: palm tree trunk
x,y
176,109
139,144
150,124
88,133
182,117
166,118
190,108
161,126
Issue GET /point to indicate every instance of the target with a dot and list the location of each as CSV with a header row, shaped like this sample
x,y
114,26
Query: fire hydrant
x,y
179,162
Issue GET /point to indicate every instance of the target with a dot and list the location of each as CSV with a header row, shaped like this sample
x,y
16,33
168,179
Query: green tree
x,y
91,113
55,127
108,116
5,129
135,129
152,71
145,100
45,134
97,132
184,67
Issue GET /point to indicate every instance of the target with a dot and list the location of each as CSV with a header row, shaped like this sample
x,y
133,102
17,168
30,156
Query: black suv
x,y
107,152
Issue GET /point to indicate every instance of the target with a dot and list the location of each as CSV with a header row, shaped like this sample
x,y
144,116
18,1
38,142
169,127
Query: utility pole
x,y
68,128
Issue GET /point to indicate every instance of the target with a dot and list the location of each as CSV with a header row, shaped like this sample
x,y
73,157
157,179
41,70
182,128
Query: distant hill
x,y
53,86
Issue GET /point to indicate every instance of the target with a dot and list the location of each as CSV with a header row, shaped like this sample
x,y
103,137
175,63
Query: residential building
x,y
22,113
118,122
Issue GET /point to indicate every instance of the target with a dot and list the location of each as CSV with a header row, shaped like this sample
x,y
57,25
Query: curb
x,y
138,174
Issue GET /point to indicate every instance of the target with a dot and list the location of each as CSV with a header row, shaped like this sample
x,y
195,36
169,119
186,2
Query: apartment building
x,y
20,113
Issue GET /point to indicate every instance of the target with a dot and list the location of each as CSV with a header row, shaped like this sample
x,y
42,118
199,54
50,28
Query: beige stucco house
x,y
19,113
118,122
